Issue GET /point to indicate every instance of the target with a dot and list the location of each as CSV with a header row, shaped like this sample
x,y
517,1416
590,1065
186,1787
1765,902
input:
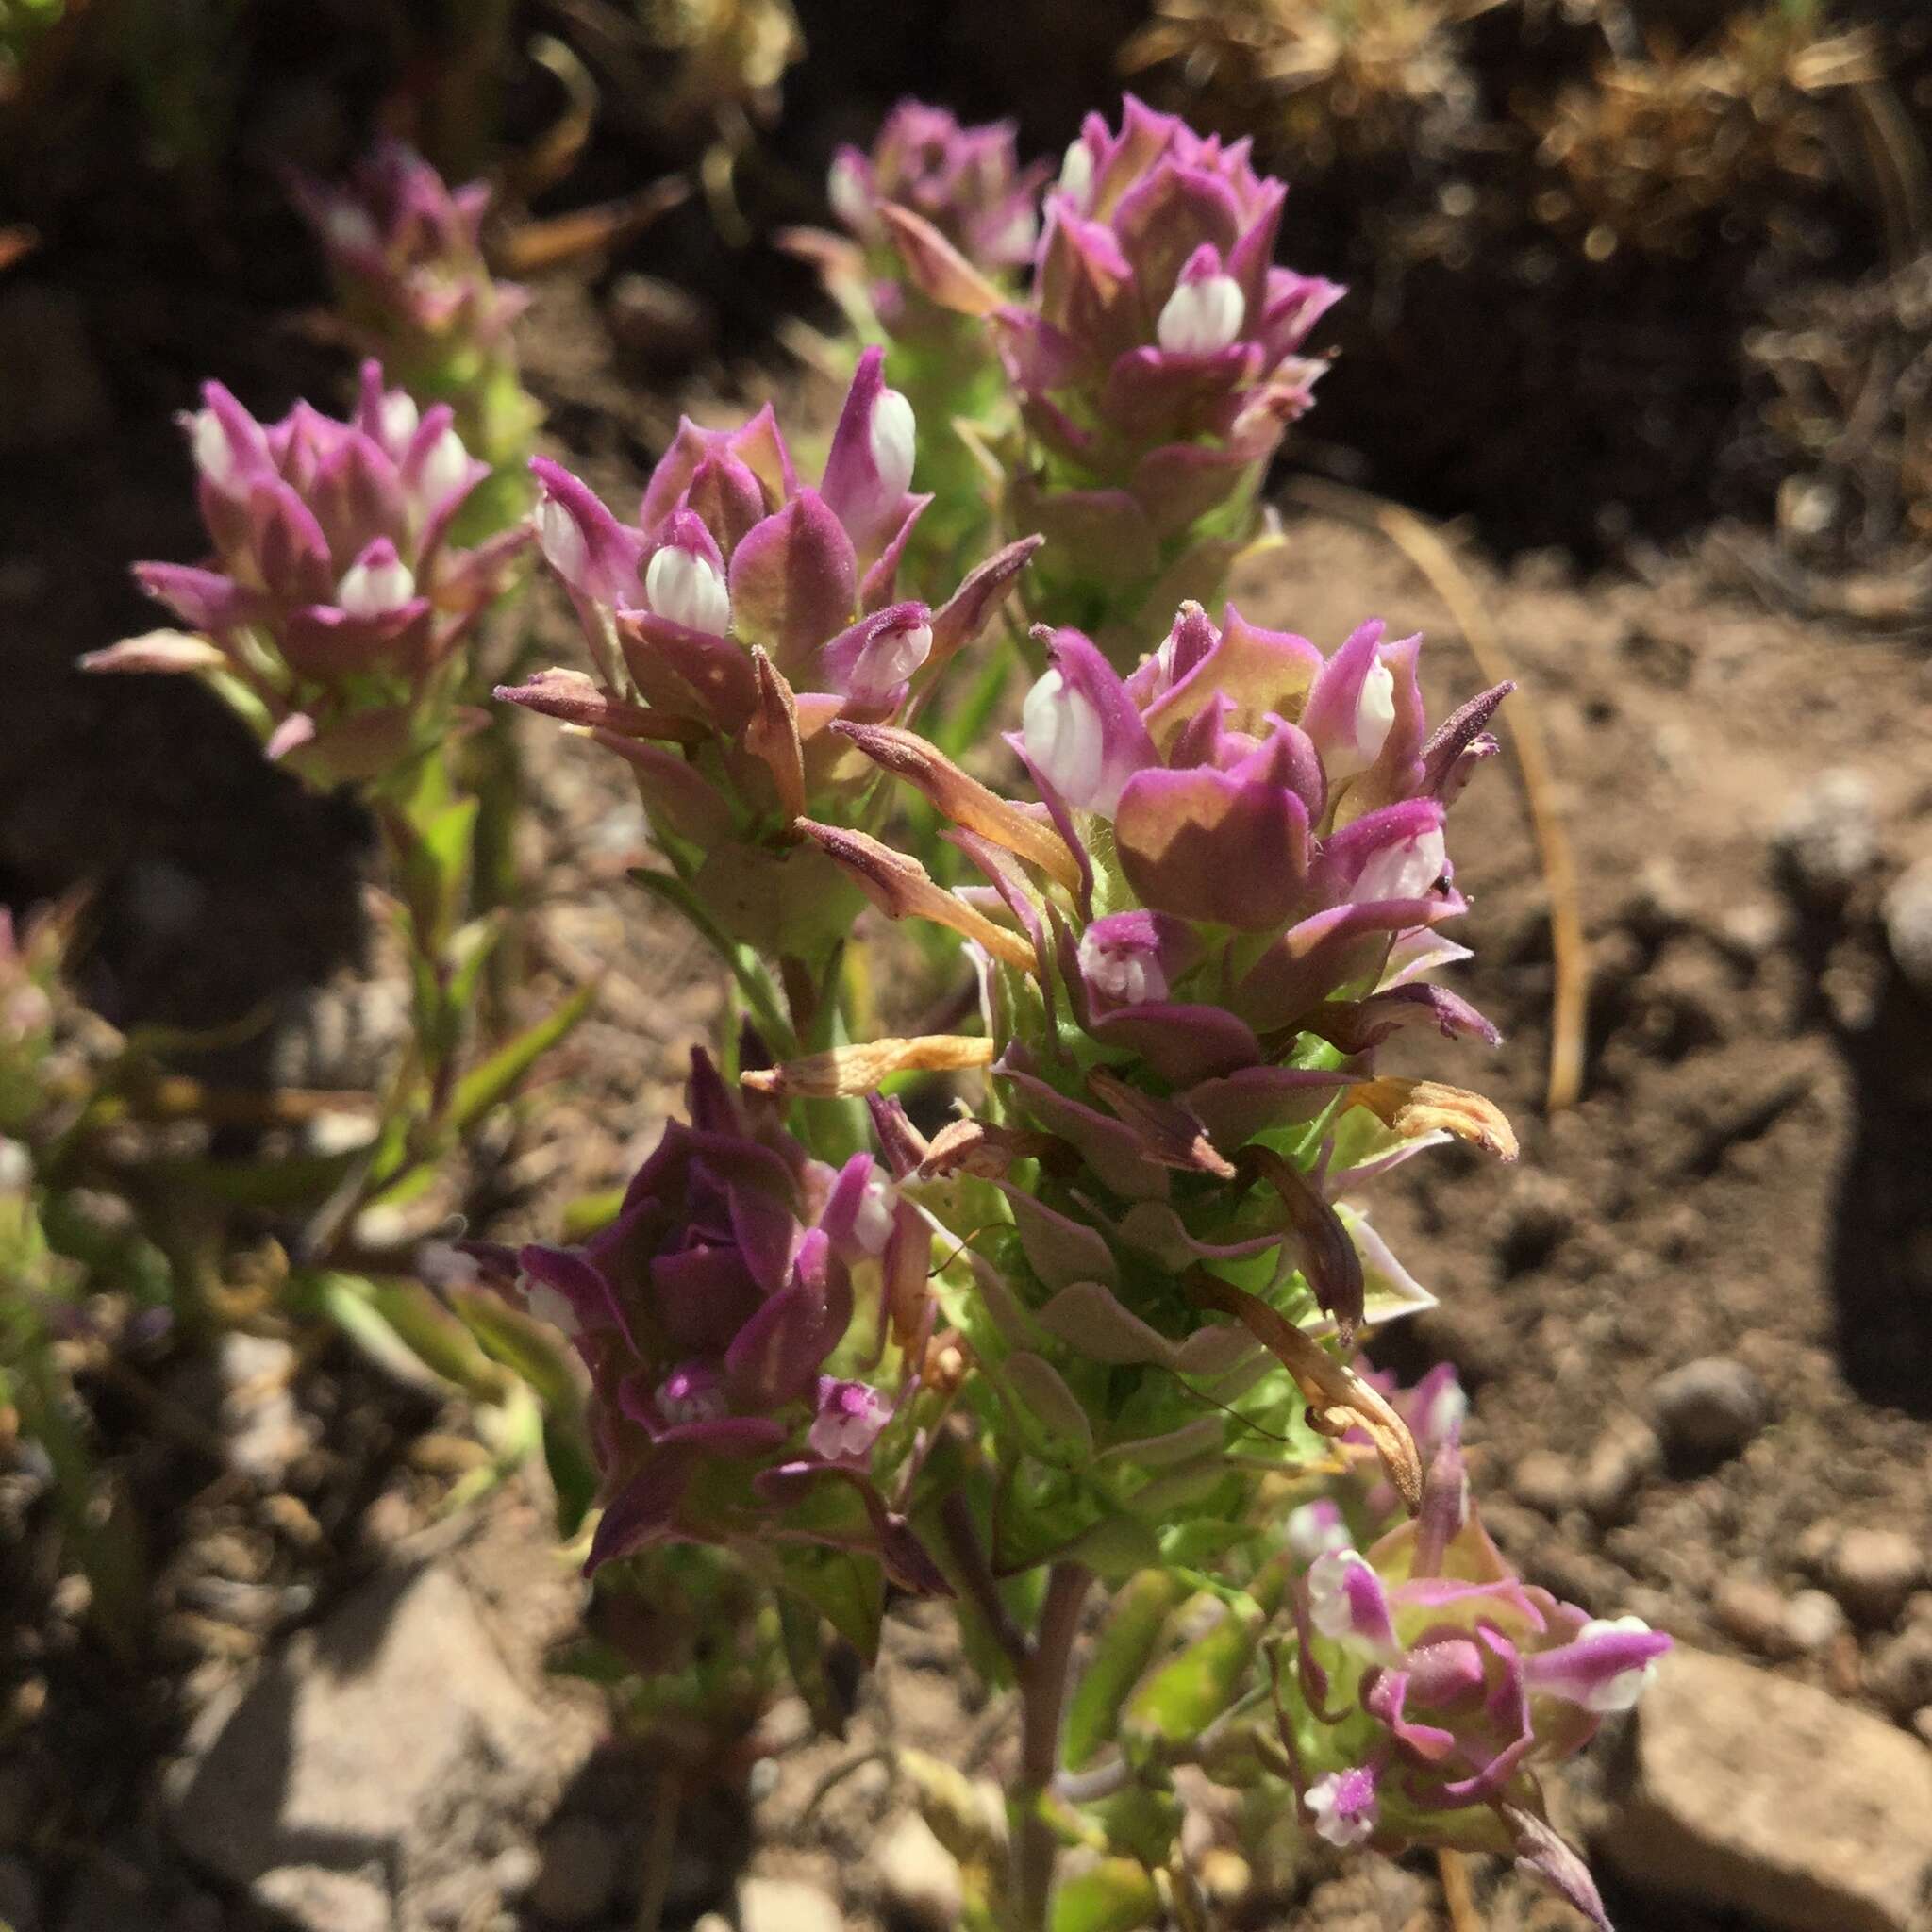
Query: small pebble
x,y
1709,1409
786,1905
514,1869
1812,1621
1545,1481
1908,913
1899,1676
1828,840
1921,1722
1873,1571
1753,1612
1623,1460
577,1877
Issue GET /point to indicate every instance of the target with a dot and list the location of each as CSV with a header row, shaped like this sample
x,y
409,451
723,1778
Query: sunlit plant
x,y
1060,1296
1097,1330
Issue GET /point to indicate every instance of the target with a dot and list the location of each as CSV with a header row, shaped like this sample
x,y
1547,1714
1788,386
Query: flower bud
x,y
850,191
376,583
442,470
681,583
1375,716
594,555
1403,868
1081,731
1077,172
1346,1602
1202,317
1120,959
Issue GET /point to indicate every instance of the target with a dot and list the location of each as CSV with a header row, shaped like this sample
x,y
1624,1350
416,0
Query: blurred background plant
x,y
1656,145
1321,80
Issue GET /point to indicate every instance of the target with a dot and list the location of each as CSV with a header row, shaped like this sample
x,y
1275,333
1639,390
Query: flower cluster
x,y
742,616
966,182
334,609
1231,893
1156,362
734,1320
1432,1681
406,252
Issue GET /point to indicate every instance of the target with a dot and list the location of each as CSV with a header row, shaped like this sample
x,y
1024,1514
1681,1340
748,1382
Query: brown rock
x,y
1900,1675
919,1879
1873,1571
786,1905
1812,1621
372,1755
1625,1456
1708,1409
1753,1612
1545,1481
1755,1794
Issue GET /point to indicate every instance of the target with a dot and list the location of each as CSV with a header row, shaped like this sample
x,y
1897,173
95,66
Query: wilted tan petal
x,y
1329,1257
899,886
964,799
843,1071
1338,1398
981,1149
1426,1107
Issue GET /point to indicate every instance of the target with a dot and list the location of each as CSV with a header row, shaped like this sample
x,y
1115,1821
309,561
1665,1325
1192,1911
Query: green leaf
x,y
299,1182
436,1337
486,1086
521,1343
573,1473
591,1214
801,1630
847,1591
1184,1697
753,982
1123,1650
1143,1821
98,1532
1116,1895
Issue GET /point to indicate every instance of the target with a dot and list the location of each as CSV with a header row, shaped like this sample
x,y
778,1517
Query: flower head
x,y
334,607
1156,361
708,1316
966,182
1434,1681
741,615
406,253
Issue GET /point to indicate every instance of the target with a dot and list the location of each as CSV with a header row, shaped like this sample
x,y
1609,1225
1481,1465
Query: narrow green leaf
x,y
1181,1699
1123,1650
527,1347
486,1086
591,1214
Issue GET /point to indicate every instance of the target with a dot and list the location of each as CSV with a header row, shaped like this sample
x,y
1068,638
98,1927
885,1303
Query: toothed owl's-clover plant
x,y
1151,362
333,611
1100,1325
1064,1287
406,253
